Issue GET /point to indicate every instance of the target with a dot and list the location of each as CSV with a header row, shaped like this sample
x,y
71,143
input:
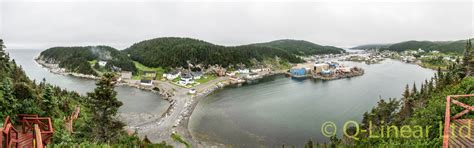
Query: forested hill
x,y
79,59
442,46
301,47
175,52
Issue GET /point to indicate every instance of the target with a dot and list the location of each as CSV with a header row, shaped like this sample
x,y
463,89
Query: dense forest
x,y
424,106
442,46
169,52
176,52
300,47
95,126
77,59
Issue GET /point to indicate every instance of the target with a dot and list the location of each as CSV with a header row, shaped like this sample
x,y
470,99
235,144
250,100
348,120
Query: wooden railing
x,y
69,120
22,120
44,124
9,133
447,117
36,132
38,140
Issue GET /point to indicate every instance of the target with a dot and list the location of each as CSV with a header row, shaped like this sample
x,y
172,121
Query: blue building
x,y
333,65
298,72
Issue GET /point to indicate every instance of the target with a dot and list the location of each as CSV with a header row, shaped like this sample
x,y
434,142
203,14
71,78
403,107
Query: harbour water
x,y
275,111
287,111
134,100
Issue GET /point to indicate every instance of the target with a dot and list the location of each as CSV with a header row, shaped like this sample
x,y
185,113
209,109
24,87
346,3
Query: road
x,y
159,128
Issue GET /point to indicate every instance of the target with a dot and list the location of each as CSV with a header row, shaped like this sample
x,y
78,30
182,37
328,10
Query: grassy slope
x,y
141,68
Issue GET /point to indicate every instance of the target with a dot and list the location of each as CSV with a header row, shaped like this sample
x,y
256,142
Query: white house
x,y
144,82
172,75
102,63
252,76
196,75
256,70
186,78
243,71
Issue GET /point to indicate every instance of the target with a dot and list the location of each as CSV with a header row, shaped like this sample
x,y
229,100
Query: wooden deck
x,y
25,140
458,132
461,133
34,132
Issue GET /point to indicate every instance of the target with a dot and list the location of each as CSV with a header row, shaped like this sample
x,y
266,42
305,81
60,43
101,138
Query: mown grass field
x,y
141,68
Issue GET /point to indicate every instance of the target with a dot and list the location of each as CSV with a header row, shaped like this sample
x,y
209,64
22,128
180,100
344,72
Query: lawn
x,y
93,62
206,78
99,71
141,68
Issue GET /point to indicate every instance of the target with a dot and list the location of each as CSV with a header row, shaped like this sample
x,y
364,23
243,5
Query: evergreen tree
x,y
414,91
104,106
49,102
4,65
406,93
407,107
468,60
10,102
422,90
2,52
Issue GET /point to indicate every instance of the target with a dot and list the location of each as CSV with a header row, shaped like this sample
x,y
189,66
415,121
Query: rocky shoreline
x,y
155,126
54,68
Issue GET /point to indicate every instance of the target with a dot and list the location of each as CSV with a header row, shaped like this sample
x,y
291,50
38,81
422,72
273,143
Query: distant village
x,y
323,67
429,59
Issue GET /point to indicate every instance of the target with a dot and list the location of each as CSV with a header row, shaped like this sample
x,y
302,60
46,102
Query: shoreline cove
x,y
157,127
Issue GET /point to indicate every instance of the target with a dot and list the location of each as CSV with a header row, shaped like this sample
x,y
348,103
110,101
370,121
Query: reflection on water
x,y
286,111
135,100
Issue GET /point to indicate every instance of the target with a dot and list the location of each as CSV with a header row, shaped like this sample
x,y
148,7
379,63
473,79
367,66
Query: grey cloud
x,y
38,25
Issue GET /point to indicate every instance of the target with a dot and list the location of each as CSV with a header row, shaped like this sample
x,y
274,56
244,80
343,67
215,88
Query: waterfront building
x,y
320,66
243,71
326,72
146,82
298,71
252,76
126,75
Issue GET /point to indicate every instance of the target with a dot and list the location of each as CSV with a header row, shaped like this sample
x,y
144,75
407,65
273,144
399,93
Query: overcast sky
x,y
38,25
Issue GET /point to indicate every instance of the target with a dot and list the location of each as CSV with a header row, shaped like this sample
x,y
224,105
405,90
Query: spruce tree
x,y
2,52
10,103
414,91
49,101
468,60
406,93
407,107
104,106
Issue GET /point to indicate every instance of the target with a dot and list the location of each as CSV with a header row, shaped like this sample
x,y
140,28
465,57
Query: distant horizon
x,y
42,47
